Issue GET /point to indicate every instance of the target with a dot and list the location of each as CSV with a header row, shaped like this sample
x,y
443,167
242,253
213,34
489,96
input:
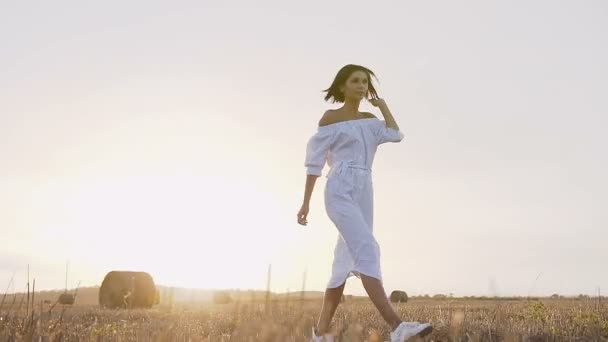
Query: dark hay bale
x,y
66,299
126,289
346,298
398,297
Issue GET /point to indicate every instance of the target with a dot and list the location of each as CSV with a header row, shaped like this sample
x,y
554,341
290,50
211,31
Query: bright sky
x,y
170,138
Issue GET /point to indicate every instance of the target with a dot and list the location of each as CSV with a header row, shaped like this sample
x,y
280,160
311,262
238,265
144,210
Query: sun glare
x,y
189,231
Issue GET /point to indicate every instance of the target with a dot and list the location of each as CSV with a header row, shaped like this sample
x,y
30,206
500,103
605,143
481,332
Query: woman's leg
x,y
331,299
376,293
373,286
354,218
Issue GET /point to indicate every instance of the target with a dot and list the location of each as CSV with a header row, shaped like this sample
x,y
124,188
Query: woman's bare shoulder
x,y
328,118
368,115
333,116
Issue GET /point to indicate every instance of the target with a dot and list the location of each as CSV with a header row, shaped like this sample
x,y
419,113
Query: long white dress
x,y
349,147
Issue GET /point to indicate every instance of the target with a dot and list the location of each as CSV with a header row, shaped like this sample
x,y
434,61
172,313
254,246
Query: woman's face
x,y
356,86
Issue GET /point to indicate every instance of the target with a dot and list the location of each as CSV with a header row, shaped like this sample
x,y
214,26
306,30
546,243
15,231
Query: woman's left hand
x,y
376,102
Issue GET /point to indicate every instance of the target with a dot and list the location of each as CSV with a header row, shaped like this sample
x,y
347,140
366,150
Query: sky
x,y
169,137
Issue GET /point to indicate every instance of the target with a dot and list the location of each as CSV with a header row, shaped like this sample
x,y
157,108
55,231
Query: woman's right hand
x,y
302,214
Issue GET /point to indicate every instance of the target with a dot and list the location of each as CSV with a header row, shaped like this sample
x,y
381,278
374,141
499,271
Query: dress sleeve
x,y
386,134
317,149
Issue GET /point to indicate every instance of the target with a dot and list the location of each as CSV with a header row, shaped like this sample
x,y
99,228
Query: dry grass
x,y
454,320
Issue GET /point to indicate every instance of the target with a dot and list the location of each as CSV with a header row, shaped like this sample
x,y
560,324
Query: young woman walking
x,y
346,139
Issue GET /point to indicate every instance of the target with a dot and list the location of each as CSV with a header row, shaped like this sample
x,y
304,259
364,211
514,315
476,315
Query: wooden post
x,y
27,304
268,289
303,287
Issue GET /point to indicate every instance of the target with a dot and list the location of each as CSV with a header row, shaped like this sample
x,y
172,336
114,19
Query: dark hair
x,y
334,93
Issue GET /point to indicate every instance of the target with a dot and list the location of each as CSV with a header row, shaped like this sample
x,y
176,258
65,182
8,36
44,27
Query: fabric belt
x,y
349,164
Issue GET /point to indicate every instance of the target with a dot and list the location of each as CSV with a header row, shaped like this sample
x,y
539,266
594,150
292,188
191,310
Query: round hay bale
x,y
398,296
126,289
66,299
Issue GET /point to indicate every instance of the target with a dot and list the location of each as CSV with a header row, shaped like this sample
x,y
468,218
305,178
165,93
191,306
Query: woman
x,y
346,140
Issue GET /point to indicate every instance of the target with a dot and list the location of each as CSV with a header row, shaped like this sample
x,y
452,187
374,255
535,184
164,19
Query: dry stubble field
x,y
454,320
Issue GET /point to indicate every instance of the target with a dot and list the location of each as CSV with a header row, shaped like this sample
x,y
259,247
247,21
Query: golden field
x,y
291,319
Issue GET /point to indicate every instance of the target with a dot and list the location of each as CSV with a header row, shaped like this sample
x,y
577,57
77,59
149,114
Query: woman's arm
x,y
388,116
308,188
317,149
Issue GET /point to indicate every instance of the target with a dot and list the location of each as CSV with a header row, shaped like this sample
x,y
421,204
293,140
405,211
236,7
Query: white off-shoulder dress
x,y
349,147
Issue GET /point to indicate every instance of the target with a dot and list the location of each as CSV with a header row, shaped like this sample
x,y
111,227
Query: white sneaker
x,y
405,330
324,338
